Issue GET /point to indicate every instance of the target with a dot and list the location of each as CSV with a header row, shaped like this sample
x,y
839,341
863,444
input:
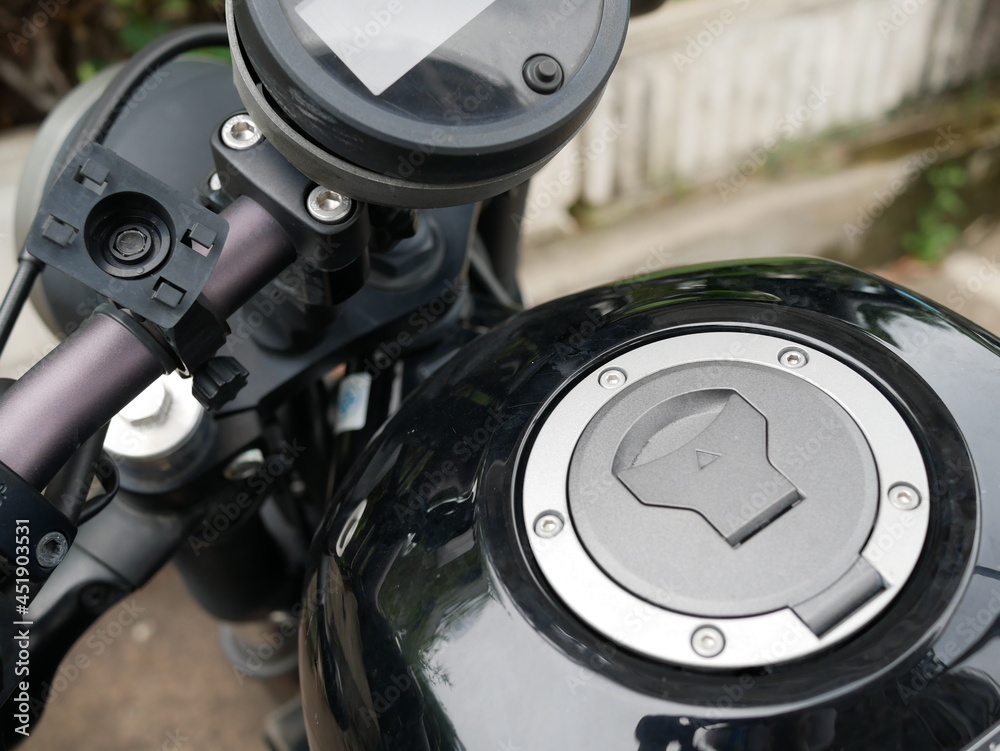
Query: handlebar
x,y
69,394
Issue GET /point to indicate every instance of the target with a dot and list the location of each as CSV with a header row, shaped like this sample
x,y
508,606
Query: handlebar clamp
x,y
143,245
127,236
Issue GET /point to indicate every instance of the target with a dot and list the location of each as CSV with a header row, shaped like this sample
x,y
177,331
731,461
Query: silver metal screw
x,y
245,465
549,525
904,497
51,549
793,358
613,378
328,206
240,132
708,641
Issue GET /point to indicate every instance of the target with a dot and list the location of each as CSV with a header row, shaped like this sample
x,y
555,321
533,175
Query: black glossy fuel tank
x,y
439,617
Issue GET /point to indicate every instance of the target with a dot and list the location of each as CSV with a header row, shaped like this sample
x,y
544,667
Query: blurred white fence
x,y
705,85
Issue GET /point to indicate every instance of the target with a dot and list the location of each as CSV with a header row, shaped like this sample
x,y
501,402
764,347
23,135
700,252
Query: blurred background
x,y
53,46
867,131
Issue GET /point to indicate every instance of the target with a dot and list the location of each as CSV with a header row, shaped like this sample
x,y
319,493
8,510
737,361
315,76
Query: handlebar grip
x,y
54,407
65,398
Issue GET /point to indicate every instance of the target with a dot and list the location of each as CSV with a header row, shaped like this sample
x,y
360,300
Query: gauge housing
x,y
423,104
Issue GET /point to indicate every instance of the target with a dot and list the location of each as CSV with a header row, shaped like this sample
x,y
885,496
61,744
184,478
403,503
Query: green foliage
x,y
937,229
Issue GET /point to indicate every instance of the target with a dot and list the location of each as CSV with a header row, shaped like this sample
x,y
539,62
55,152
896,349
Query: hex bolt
x,y
245,465
904,497
328,206
131,242
240,132
51,549
793,358
150,407
613,378
543,74
549,524
708,641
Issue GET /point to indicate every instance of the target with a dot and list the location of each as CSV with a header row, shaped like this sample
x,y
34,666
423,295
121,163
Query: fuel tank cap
x,y
725,500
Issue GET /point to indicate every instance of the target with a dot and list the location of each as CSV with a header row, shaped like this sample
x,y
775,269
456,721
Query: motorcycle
x,y
730,506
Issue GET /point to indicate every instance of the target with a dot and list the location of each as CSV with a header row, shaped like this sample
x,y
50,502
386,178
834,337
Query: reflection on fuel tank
x,y
808,731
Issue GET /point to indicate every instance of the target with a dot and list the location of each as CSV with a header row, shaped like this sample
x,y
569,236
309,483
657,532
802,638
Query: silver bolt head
x,y
151,406
793,357
51,549
328,206
708,641
548,525
240,132
904,497
613,378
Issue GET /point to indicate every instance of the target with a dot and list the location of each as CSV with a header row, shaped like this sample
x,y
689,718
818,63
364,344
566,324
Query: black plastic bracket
x,y
198,335
334,255
128,236
28,521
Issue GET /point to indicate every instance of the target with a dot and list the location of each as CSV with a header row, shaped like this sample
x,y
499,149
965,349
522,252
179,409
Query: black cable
x,y
99,502
69,489
106,109
17,295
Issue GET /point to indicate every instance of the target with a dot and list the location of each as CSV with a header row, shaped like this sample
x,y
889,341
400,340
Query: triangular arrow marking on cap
x,y
705,458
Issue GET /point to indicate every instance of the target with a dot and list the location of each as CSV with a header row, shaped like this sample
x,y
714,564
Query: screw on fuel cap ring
x,y
727,367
